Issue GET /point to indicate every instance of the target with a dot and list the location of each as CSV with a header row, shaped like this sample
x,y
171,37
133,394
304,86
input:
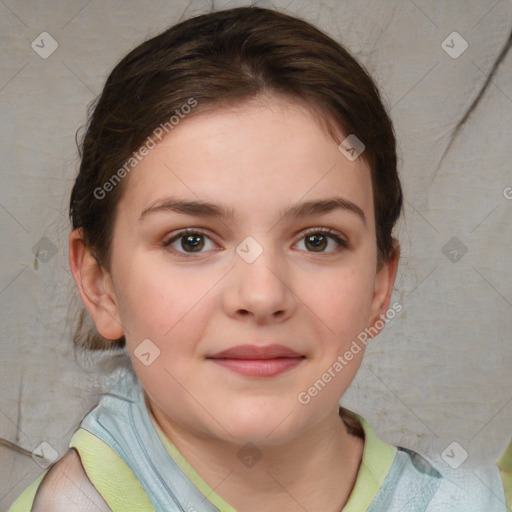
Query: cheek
x,y
342,301
160,302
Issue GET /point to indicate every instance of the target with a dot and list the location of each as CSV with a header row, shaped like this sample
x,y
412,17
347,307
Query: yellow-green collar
x,y
377,460
378,457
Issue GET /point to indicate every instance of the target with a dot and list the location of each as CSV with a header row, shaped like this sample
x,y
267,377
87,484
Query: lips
x,y
257,361
256,352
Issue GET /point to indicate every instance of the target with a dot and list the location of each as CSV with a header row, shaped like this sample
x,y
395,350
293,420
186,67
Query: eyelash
x,y
334,235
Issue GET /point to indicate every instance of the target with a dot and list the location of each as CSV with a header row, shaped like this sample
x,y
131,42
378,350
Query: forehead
x,y
254,158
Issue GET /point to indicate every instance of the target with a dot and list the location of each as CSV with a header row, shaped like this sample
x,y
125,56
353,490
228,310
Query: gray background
x,y
440,372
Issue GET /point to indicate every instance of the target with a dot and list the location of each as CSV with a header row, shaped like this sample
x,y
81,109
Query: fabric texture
x,y
135,467
112,478
505,465
26,498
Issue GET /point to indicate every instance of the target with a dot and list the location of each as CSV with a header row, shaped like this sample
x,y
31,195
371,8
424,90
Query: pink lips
x,y
256,361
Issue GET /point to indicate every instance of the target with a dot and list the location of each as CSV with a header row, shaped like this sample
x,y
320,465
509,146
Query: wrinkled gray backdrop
x,y
440,372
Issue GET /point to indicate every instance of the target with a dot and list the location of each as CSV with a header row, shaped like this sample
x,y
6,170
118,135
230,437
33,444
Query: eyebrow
x,y
200,208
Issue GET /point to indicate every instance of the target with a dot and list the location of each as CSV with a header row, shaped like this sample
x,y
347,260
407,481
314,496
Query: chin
x,y
261,426
260,435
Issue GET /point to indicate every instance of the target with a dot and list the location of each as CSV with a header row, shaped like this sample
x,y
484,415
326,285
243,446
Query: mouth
x,y
256,361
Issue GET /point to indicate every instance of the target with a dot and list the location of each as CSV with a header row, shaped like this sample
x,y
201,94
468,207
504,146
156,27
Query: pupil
x,y
195,245
316,244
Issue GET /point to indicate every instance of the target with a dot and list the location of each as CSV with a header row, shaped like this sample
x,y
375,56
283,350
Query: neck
x,y
315,471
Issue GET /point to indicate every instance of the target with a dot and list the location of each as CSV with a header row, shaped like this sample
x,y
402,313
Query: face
x,y
247,310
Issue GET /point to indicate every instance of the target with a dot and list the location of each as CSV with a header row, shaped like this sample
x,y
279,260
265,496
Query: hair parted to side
x,y
221,59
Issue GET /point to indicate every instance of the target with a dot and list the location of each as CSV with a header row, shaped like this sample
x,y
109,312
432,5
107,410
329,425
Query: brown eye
x,y
193,242
317,240
188,242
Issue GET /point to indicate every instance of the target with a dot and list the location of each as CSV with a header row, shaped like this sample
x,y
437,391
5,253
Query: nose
x,y
260,291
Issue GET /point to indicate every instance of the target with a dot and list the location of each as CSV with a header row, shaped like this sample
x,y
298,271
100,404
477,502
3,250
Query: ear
x,y
95,286
384,282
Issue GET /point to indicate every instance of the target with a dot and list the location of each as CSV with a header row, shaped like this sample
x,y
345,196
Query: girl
x,y
232,228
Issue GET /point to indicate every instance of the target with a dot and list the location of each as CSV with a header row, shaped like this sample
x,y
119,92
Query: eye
x,y
189,241
318,240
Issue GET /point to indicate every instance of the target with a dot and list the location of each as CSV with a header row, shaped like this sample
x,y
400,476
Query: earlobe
x,y
384,283
95,286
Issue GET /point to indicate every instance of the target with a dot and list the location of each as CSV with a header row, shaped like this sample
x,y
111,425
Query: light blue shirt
x,y
413,483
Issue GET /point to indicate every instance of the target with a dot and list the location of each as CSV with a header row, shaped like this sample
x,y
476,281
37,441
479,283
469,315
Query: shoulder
x,y
431,484
66,486
410,481
505,465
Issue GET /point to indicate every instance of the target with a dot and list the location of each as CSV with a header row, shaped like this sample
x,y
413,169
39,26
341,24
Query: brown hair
x,y
225,58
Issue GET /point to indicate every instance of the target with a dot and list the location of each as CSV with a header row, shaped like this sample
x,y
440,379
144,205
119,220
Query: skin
x,y
257,159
